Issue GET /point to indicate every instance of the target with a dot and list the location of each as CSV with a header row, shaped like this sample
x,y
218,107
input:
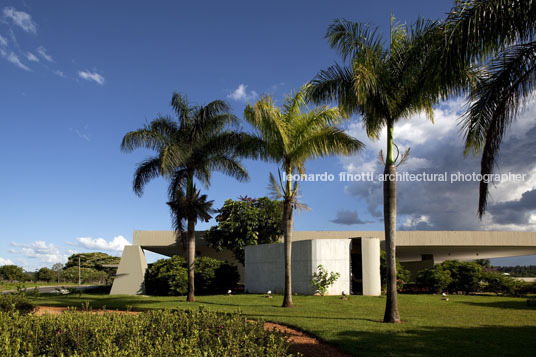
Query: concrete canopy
x,y
416,249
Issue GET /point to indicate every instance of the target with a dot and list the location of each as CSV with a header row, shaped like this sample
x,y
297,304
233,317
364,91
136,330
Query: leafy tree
x,y
246,222
385,83
290,136
500,36
57,268
11,273
46,274
194,146
91,260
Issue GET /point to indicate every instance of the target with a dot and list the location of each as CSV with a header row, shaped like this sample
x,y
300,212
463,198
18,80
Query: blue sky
x,y
76,76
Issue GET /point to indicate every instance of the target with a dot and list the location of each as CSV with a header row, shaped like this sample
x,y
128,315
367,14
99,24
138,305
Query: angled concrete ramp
x,y
131,272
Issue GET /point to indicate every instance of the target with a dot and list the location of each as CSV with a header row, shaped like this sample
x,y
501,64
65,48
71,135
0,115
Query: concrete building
x,y
354,254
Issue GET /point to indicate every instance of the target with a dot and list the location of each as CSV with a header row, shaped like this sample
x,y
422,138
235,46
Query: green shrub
x,y
322,280
453,276
435,279
167,277
16,302
153,333
170,276
465,276
498,283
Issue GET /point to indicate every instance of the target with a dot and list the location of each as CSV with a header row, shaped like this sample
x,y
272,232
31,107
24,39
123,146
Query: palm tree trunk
x,y
389,218
287,233
191,247
191,260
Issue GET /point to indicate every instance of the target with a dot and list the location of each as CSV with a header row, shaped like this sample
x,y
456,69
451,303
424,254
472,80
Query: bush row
x,y
468,277
16,302
170,276
153,333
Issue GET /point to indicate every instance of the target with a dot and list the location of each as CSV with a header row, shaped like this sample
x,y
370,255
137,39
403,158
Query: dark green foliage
x,y
46,274
453,276
465,275
403,275
169,276
94,271
153,333
12,273
16,302
435,279
498,283
246,222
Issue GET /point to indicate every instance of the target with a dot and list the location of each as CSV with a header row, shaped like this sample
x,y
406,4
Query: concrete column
x,y
370,256
129,279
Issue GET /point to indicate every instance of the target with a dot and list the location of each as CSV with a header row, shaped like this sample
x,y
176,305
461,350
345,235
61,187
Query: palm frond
x,y
335,84
325,142
145,172
497,100
351,39
275,188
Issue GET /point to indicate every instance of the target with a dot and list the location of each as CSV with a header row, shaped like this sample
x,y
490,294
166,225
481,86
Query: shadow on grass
x,y
516,305
441,341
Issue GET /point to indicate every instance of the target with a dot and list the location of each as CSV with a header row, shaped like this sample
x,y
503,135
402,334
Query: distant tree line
x,y
519,270
93,269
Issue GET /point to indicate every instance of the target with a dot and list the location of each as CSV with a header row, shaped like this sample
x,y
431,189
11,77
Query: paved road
x,y
52,289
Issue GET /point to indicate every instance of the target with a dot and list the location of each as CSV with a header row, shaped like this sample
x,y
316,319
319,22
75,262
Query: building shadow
x,y
440,341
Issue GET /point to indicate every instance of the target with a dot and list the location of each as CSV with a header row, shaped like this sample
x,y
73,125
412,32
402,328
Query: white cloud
x,y
40,250
241,94
21,19
438,148
91,76
5,261
59,73
31,57
117,244
13,58
43,53
3,41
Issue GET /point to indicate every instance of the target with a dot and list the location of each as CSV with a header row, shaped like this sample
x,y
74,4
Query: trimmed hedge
x,y
16,302
153,333
170,276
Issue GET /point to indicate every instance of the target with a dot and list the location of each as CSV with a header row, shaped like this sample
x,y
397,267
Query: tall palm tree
x,y
500,35
291,135
385,83
192,147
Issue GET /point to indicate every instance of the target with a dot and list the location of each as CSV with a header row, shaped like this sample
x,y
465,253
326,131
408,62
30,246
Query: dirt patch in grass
x,y
300,342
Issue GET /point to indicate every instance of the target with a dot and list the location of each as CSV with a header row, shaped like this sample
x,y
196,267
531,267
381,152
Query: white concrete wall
x,y
265,269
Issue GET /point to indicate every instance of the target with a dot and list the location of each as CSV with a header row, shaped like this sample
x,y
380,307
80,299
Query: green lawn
x,y
13,286
464,325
